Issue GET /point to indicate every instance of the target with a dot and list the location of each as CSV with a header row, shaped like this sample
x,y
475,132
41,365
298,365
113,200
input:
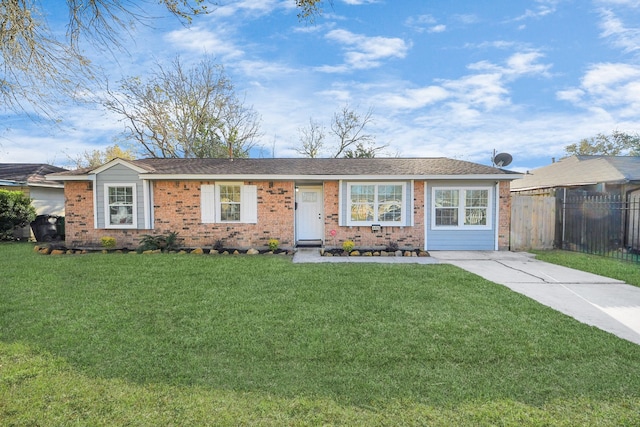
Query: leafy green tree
x,y
616,144
15,211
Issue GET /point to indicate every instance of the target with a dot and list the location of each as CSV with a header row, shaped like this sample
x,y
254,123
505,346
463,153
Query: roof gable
x,y
131,164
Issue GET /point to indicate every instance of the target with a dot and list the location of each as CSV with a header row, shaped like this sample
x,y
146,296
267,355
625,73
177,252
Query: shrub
x,y
15,211
168,242
273,244
218,245
393,246
108,242
348,245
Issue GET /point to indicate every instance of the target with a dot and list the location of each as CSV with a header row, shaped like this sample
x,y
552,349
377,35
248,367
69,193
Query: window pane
x,y
477,198
230,212
120,215
390,203
361,212
120,195
230,193
389,212
447,216
446,198
363,193
390,193
475,216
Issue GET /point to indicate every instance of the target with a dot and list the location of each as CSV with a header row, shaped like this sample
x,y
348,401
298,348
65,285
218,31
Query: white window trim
x,y
107,221
218,208
403,205
461,209
248,204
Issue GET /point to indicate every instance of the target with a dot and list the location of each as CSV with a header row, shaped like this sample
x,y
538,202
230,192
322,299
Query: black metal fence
x,y
600,224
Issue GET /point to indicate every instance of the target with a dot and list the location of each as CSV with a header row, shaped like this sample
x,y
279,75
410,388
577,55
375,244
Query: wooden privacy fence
x,y
533,222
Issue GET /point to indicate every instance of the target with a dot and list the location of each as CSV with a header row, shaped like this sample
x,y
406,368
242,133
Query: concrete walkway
x,y
608,304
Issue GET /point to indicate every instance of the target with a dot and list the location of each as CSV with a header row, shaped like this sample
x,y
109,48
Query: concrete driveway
x,y
608,304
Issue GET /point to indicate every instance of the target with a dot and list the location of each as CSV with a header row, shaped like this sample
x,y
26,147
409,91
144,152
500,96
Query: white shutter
x,y
249,204
208,203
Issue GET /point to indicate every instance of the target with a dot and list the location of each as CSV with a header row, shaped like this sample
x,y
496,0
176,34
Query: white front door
x,y
309,207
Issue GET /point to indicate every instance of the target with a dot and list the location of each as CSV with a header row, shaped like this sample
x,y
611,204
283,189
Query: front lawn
x,y
164,339
626,271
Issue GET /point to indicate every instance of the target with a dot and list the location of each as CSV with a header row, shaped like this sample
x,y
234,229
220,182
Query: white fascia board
x,y
52,185
206,177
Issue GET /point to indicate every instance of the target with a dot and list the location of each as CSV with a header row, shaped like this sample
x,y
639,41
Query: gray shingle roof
x,y
315,167
582,170
27,173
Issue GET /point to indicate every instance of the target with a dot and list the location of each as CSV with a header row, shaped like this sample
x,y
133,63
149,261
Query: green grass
x,y
210,340
626,271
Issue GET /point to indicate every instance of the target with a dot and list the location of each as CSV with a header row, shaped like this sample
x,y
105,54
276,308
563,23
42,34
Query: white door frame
x,y
315,226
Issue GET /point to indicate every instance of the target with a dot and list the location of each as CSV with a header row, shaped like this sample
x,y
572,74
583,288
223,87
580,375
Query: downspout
x,y
94,182
496,217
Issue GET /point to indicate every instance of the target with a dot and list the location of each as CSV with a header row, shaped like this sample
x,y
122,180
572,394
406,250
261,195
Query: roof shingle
x,y
313,167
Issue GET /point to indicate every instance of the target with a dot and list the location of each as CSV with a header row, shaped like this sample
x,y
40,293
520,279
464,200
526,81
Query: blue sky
x,y
453,79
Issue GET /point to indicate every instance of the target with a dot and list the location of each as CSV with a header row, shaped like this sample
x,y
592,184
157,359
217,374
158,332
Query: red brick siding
x,y
177,209
504,220
405,237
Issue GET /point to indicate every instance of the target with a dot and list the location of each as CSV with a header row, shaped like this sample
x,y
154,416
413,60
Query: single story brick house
x,y
427,203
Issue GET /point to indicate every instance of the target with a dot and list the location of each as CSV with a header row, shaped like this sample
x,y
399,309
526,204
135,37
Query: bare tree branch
x,y
186,113
348,126
311,140
37,68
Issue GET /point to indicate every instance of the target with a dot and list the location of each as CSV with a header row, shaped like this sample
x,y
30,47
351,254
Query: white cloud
x,y
414,98
544,8
250,7
362,52
485,90
518,64
613,28
201,40
612,89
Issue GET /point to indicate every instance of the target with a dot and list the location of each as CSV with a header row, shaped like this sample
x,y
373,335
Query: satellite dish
x,y
502,159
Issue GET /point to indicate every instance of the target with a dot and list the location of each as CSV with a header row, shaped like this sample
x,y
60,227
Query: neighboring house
x,y
597,202
46,196
615,175
430,203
